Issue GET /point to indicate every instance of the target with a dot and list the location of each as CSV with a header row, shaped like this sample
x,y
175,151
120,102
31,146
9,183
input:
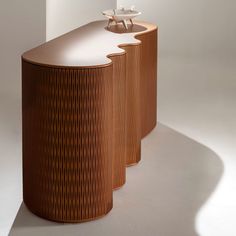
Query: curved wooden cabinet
x,y
88,97
67,141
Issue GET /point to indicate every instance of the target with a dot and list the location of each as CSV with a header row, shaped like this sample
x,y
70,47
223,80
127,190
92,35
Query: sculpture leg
x,y
131,21
109,22
125,24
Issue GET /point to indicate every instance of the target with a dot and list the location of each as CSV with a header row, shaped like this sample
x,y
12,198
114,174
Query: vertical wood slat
x,y
133,119
119,119
148,81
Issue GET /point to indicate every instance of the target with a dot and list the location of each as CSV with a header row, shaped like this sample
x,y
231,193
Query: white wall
x,y
197,89
190,27
66,15
22,26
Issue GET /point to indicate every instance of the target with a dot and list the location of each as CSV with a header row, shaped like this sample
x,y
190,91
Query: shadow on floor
x,y
162,195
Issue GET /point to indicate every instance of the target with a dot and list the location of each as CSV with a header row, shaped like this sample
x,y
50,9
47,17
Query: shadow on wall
x,y
161,197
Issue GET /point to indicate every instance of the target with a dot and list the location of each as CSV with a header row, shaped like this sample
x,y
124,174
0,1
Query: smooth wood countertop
x,y
87,46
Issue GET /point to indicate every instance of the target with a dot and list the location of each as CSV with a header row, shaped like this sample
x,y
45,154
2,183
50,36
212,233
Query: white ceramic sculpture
x,y
121,15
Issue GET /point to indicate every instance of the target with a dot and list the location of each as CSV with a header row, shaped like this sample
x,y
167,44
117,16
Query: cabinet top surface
x,y
87,46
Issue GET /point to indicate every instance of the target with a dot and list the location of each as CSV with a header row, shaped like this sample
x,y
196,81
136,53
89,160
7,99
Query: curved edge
x,y
88,67
69,221
149,76
144,135
109,55
133,164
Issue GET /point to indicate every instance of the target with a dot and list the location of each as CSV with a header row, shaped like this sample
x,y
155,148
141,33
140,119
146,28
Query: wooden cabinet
x,y
88,97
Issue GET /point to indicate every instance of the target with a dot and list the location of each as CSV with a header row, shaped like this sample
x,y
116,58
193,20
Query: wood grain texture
x,y
67,142
148,81
119,119
133,119
82,125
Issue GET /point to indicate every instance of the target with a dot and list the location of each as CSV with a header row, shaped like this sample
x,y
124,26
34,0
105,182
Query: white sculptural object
x,y
121,15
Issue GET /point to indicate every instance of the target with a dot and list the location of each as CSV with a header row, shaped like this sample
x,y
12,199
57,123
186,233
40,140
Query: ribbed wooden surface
x,y
67,142
148,81
82,126
133,119
119,116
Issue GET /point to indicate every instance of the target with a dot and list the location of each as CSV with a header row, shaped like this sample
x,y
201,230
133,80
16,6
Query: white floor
x,y
162,195
10,159
196,98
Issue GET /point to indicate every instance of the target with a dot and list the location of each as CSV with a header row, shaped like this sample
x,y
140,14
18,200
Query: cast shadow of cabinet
x,y
162,195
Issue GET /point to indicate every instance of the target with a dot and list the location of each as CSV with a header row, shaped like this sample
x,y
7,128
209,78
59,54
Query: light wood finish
x,y
148,82
133,118
82,99
67,142
119,119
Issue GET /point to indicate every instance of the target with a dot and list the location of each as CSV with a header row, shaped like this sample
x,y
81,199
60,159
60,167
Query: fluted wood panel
x,y
67,141
133,119
82,123
148,81
119,115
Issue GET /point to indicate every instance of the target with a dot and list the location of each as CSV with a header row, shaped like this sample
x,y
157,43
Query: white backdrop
x,y
197,89
190,27
63,16
22,26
